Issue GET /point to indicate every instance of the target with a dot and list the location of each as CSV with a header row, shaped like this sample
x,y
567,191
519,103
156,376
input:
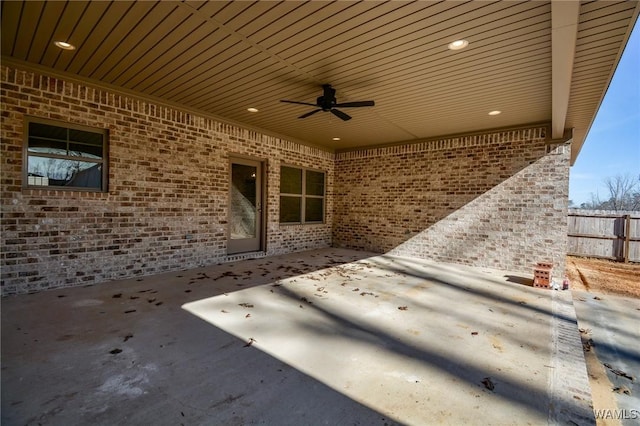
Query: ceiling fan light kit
x,y
328,102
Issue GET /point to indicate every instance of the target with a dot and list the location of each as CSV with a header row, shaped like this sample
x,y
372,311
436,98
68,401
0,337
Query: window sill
x,y
301,224
63,193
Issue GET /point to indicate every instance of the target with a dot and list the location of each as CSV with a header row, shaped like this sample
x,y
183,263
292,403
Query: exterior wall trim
x,y
448,143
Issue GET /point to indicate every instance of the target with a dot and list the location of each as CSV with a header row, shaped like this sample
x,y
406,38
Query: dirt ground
x,y
604,276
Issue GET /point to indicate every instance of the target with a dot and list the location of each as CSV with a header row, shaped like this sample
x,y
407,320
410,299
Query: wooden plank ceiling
x,y
224,57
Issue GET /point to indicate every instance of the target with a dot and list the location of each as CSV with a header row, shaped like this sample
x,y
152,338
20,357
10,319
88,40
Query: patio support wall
x,y
497,200
166,208
494,200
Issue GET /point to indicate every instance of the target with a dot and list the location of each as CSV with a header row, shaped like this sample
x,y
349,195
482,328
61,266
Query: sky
x,y
612,146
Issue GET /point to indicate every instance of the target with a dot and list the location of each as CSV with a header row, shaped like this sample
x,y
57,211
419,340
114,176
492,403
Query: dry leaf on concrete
x,y
488,383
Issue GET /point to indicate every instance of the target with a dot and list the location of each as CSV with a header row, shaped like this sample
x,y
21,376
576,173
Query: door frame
x,y
261,188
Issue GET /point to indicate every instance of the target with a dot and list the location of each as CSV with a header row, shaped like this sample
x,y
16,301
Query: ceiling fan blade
x,y
296,102
356,104
340,114
310,113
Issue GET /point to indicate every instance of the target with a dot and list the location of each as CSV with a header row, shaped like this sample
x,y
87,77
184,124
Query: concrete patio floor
x,y
612,326
328,336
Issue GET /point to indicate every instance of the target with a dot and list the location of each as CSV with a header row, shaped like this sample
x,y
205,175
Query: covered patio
x,y
330,336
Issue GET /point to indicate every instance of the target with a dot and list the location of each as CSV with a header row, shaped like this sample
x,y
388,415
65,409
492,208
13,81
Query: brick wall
x,y
166,208
497,200
493,200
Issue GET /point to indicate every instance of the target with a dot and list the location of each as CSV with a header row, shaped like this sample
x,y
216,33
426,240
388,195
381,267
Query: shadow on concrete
x,y
519,280
516,392
488,293
125,353
58,366
325,323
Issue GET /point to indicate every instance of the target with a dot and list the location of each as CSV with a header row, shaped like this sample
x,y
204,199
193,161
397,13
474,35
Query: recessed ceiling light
x,y
458,44
64,45
252,109
335,139
495,112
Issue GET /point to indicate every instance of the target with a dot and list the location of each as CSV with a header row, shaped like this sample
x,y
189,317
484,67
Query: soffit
x,y
603,31
223,57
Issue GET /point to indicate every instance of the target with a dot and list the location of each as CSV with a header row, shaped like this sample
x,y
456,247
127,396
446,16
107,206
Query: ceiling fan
x,y
328,102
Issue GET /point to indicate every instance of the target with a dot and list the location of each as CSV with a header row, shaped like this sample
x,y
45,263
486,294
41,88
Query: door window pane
x,y
243,201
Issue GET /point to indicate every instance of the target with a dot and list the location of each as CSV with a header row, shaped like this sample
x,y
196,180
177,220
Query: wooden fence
x,y
604,234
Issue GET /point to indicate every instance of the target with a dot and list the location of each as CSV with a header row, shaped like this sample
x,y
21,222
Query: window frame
x,y
26,154
303,196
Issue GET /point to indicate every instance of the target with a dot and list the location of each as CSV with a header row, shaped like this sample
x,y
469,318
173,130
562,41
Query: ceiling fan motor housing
x,y
328,99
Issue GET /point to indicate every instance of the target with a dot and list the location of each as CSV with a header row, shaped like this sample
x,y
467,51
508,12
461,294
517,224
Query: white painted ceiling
x,y
222,57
